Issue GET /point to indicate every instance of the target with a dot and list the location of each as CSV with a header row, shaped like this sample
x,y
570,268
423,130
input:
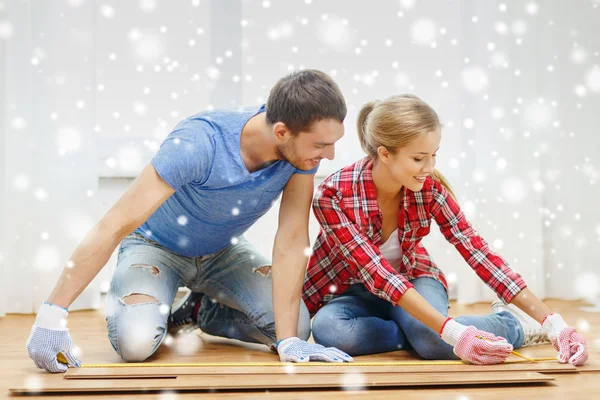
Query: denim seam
x,y
246,304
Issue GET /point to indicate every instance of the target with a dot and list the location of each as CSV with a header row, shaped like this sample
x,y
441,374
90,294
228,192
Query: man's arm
x,y
136,205
289,256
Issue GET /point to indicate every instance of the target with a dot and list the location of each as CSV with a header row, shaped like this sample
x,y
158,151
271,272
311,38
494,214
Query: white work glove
x,y
293,349
570,345
49,337
475,346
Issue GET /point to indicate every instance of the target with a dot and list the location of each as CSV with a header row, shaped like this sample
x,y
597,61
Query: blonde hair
x,y
394,123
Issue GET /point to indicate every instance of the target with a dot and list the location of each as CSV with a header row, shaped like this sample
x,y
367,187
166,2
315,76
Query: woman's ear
x,y
383,154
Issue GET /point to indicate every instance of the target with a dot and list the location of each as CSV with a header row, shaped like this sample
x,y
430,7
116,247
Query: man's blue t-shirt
x,y
216,199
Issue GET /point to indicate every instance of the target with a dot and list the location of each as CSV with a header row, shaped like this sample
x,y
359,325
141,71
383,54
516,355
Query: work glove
x,y
475,346
49,338
293,349
570,345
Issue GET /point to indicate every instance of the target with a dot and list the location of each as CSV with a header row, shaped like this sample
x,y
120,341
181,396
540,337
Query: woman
x,y
372,282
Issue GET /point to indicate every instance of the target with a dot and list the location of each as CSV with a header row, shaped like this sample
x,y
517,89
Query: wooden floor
x,y
88,330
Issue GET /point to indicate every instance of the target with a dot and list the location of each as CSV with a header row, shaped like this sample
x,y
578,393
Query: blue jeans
x,y
238,301
358,322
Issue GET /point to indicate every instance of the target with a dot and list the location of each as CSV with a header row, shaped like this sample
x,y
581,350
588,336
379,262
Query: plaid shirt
x,y
347,248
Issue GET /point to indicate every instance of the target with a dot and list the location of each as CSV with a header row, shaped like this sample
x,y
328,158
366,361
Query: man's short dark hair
x,y
304,97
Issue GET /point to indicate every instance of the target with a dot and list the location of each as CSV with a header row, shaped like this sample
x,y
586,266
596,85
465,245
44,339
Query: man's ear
x,y
280,130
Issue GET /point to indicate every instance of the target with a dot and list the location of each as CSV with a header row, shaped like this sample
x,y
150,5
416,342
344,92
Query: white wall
x,y
517,85
49,159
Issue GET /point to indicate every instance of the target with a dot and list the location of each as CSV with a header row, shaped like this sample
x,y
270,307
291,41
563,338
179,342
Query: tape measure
x,y
280,364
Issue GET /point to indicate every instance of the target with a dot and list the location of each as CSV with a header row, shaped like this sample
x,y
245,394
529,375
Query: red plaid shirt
x,y
347,248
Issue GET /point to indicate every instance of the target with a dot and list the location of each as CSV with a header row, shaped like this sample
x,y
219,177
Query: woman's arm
x,y
531,304
489,266
416,305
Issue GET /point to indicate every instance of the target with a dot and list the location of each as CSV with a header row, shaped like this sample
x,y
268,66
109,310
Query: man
x,y
182,221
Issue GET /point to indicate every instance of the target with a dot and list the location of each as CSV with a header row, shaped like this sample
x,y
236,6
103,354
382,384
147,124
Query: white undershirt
x,y
390,250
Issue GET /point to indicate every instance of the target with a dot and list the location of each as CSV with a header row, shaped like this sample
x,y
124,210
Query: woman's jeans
x,y
358,322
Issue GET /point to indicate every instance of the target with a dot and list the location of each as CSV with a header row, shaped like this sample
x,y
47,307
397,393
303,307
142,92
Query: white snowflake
x,y
513,190
423,31
148,6
353,381
40,194
579,55
187,343
407,4
129,158
592,79
68,140
474,79
21,182
532,8
538,115
401,80
587,285
75,3
107,11
46,258
18,122
6,30
147,47
77,224
335,32
519,27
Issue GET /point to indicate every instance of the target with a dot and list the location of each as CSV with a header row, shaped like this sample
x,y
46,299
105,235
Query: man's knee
x,y
137,327
137,298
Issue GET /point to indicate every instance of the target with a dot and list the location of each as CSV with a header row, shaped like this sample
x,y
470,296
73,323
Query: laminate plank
x,y
49,384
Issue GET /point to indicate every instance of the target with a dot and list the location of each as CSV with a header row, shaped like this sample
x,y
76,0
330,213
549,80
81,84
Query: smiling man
x,y
182,223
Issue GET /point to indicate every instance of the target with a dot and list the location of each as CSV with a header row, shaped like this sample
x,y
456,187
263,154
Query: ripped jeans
x,y
236,281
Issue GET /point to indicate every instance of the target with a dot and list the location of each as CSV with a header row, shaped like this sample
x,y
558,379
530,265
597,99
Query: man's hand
x,y
50,337
295,350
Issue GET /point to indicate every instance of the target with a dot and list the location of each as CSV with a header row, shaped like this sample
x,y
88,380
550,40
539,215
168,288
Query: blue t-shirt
x,y
216,199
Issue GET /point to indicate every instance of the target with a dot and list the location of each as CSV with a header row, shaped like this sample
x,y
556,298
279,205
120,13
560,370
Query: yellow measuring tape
x,y
62,359
280,364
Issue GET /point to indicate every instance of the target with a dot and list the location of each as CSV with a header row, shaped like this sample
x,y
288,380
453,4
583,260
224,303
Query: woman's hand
x,y
570,345
474,345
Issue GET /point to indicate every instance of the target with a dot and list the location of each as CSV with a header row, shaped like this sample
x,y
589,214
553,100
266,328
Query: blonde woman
x,y
372,284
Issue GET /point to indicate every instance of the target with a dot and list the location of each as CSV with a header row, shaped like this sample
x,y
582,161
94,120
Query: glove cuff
x,y
51,316
553,324
283,343
452,331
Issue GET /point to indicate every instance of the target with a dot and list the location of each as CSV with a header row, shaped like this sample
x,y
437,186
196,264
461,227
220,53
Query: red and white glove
x,y
570,345
474,345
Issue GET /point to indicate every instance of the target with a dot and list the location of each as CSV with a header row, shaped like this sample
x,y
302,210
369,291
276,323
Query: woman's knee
x,y
332,328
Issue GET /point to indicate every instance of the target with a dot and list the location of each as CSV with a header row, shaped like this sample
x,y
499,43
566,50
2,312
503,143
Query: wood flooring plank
x,y
48,383
133,372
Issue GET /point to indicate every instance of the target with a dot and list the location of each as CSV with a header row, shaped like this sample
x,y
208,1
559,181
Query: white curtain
x,y
49,176
516,84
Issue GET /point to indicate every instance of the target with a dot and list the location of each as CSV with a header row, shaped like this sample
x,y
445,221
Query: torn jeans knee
x,y
264,270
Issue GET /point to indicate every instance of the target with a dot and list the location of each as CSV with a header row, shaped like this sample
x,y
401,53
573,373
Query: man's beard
x,y
286,152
